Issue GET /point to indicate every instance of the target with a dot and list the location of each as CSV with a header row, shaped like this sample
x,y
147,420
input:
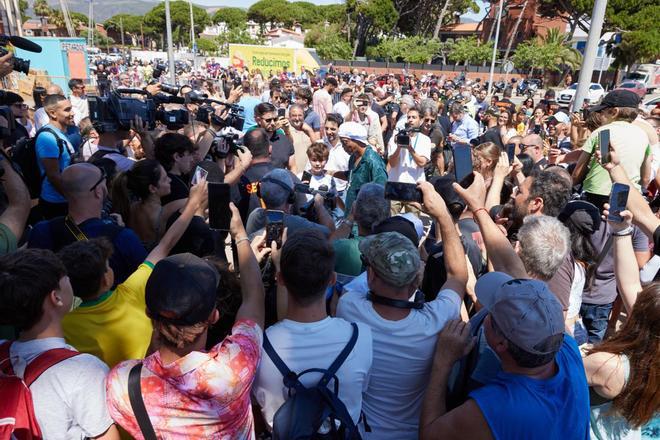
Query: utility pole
x,y
192,36
497,39
90,29
589,59
121,30
170,46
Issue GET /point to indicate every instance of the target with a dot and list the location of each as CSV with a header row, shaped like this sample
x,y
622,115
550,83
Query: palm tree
x,y
567,58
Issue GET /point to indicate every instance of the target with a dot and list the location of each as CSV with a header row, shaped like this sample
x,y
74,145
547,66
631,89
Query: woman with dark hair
x,y
624,373
136,196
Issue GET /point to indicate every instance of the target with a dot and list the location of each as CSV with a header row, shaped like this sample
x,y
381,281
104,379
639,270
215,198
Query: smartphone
x,y
463,165
604,145
219,212
274,227
200,174
537,129
306,177
511,152
618,201
281,112
404,192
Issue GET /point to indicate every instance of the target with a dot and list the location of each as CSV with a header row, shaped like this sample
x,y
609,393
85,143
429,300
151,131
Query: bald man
x,y
85,188
532,145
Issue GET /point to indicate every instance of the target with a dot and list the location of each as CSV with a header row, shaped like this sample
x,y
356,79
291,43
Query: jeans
x,y
595,318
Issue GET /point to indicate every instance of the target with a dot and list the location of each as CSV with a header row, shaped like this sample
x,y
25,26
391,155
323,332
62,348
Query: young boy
x,y
69,397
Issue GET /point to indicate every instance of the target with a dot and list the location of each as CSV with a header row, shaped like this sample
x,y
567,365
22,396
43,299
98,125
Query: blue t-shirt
x,y
519,407
249,103
128,253
313,120
47,148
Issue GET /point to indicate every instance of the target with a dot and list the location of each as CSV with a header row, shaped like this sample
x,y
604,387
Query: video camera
x,y
117,110
329,200
20,65
235,118
225,144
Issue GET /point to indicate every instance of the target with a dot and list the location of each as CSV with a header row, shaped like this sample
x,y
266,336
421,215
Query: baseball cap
x,y
492,111
561,118
276,187
525,310
182,290
617,98
400,224
583,215
353,131
394,257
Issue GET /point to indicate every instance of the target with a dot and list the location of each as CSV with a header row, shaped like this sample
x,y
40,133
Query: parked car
x,y
595,94
651,103
634,86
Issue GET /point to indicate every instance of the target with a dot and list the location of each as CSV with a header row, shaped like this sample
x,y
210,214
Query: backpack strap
x,y
137,403
44,361
58,140
5,363
329,374
290,378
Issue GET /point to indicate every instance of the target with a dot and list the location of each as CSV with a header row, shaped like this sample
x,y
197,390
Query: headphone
x,y
291,198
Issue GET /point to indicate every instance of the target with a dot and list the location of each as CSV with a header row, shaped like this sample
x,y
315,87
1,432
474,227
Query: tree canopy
x,y
235,18
180,15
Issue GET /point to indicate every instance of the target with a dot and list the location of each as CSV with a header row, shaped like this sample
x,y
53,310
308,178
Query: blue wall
x,y
53,57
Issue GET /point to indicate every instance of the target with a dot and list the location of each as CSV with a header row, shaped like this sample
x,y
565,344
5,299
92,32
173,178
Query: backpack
x,y
24,155
313,413
17,417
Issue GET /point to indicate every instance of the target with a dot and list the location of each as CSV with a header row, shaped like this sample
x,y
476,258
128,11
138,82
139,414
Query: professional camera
x,y
403,137
226,143
117,111
329,200
174,119
159,69
235,118
20,65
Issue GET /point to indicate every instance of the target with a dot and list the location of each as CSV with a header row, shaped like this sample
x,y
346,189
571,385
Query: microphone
x,y
21,43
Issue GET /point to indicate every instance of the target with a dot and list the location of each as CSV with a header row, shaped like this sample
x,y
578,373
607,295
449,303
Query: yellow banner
x,y
267,58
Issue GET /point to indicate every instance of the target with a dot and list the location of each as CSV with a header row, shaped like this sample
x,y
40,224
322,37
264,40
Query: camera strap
x,y
74,229
417,303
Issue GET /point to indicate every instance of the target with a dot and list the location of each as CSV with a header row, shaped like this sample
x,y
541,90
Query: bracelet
x,y
240,240
624,232
480,209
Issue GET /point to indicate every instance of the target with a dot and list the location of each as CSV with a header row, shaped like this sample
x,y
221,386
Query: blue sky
x,y
248,3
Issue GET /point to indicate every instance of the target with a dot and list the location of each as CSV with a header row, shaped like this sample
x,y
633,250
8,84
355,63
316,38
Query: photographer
x,y
277,191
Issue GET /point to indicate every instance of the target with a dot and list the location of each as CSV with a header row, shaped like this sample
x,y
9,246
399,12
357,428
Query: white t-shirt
x,y
69,398
80,108
403,354
314,345
342,108
407,171
41,118
337,161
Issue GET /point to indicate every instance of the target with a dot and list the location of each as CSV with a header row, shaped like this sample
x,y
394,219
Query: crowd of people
x,y
511,303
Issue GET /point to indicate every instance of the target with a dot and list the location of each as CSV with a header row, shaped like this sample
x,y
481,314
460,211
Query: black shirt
x,y
244,193
491,135
179,189
282,150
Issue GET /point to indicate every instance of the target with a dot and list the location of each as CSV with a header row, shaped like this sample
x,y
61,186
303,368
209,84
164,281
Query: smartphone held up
x,y
618,201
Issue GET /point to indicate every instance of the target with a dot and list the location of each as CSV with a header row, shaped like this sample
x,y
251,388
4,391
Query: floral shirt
x,y
201,395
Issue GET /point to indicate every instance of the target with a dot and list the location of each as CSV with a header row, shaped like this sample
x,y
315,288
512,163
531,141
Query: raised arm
x,y
198,194
500,252
252,289
455,264
18,207
626,270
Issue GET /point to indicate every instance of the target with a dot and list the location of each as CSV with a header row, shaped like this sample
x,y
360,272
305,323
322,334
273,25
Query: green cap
x,y
393,256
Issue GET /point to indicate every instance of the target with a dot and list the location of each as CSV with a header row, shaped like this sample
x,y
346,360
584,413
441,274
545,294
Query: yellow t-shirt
x,y
114,327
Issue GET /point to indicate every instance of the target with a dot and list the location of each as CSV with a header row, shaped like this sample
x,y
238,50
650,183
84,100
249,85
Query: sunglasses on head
x,y
101,179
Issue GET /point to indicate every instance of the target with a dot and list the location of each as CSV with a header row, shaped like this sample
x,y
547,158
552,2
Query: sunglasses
x,y
101,179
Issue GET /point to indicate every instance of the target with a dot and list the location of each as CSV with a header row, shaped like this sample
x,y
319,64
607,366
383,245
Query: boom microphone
x,y
22,43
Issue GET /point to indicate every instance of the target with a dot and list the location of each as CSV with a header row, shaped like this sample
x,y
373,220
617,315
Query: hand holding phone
x,y
219,212
403,192
200,174
306,177
604,145
511,152
618,201
463,165
274,227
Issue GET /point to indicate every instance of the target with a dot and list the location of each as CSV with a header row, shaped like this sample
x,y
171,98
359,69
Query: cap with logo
x,y
526,311
617,98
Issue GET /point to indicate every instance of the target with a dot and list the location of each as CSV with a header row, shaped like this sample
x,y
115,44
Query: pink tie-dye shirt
x,y
201,395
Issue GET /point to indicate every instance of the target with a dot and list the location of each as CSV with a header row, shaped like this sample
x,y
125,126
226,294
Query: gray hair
x,y
544,242
456,108
371,206
407,100
428,105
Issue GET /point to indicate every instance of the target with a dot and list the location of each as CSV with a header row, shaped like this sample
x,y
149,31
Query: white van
x,y
647,74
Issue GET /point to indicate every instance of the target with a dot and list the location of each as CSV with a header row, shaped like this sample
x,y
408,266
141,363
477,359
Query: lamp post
x,y
170,47
497,40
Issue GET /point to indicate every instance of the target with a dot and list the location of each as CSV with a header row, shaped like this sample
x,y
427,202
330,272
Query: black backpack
x,y
309,409
24,156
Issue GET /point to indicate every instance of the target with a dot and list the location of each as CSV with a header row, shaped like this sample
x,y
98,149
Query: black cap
x,y
398,224
617,98
182,290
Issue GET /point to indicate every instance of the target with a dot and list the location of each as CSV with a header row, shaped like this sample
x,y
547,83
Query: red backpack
x,y
17,418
